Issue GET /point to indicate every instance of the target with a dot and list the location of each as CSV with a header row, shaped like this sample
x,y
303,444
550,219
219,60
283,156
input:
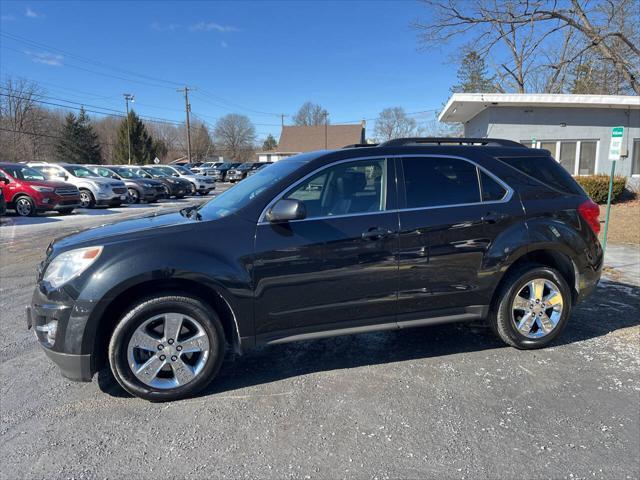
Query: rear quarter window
x,y
545,170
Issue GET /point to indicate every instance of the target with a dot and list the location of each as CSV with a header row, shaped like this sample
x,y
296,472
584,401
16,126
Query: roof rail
x,y
399,142
361,145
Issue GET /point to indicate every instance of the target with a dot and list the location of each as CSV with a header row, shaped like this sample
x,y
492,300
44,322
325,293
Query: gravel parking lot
x,y
438,402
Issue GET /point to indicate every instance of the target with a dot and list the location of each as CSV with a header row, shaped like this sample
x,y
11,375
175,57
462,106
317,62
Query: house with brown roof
x,y
299,139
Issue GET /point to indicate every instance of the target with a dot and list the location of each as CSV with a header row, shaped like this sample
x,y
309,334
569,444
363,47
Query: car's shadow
x,y
612,307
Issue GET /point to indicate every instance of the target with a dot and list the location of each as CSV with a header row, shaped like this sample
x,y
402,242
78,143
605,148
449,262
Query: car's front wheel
x,y
87,200
25,207
532,307
133,196
167,348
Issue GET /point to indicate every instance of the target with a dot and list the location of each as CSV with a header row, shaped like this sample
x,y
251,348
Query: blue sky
x,y
256,58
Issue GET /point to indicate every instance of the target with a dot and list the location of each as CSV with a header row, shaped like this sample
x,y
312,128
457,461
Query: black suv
x,y
407,233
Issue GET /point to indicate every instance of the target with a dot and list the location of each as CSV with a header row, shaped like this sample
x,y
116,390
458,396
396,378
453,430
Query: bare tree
x,y
27,131
527,28
235,135
394,123
311,114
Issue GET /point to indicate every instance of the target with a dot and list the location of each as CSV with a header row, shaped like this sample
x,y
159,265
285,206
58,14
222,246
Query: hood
x,y
46,183
102,181
115,231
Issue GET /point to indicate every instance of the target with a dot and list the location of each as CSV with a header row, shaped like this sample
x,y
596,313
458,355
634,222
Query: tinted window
x,y
22,172
547,171
432,182
491,190
346,188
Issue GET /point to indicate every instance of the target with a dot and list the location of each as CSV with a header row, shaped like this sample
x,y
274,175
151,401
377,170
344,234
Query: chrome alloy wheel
x,y
85,199
537,308
132,196
168,350
23,207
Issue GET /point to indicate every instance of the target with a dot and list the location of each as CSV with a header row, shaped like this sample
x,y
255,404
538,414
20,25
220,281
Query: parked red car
x,y
28,192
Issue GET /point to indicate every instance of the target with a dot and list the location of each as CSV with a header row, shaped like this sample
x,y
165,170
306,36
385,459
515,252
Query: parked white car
x,y
94,190
200,183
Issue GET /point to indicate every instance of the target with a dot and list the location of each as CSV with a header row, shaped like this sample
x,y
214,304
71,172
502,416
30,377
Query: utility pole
x,y
282,120
187,108
128,98
326,130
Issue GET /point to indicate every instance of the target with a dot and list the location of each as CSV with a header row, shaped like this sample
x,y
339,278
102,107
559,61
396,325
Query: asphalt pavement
x,y
436,402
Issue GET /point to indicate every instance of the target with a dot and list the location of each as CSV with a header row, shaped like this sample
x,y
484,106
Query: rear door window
x,y
492,191
439,181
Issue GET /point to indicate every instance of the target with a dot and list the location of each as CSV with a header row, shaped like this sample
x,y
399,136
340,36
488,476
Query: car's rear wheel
x,y
532,307
167,348
25,206
87,200
193,190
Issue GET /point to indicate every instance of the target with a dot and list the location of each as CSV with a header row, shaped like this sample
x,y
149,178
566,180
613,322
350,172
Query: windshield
x,y
240,195
225,165
183,170
165,170
245,166
22,172
80,172
126,173
156,172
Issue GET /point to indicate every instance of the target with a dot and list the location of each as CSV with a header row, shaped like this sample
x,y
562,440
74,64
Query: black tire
x,y
25,206
500,317
133,196
179,197
65,211
148,308
87,200
193,190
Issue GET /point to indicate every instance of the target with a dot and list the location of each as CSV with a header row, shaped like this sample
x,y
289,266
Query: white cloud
x,y
212,26
45,58
172,27
31,13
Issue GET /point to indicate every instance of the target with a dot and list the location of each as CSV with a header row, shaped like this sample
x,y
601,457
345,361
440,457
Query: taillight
x,y
590,212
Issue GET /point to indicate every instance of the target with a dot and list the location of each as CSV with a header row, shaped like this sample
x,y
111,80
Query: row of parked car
x,y
227,171
33,187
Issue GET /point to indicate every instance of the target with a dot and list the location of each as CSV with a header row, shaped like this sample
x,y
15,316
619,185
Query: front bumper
x,y
235,176
110,198
75,365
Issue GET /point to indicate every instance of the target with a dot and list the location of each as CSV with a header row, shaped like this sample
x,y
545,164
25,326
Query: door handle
x,y
492,217
375,233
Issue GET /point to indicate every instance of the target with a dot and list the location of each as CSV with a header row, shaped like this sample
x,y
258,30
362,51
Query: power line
x,y
109,111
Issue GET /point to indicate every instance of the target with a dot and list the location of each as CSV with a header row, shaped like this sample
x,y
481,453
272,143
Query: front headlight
x,y
69,265
42,189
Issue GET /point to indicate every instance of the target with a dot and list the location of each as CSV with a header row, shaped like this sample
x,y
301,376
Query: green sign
x,y
616,143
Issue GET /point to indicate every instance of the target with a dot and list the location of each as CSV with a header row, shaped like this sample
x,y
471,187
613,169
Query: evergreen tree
x,y
79,142
142,150
269,143
472,75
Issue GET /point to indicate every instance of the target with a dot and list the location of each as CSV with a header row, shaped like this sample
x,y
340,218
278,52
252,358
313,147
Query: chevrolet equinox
x,y
406,233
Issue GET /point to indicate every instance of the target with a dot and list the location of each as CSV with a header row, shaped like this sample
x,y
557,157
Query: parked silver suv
x,y
199,183
94,190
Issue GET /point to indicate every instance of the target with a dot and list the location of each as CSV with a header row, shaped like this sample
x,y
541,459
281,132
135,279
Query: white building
x,y
576,129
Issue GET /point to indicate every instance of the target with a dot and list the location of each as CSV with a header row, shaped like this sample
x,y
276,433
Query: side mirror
x,y
286,210
176,175
4,180
115,176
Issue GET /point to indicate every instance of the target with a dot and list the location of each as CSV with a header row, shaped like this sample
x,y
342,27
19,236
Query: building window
x,y
567,156
551,146
587,164
635,160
